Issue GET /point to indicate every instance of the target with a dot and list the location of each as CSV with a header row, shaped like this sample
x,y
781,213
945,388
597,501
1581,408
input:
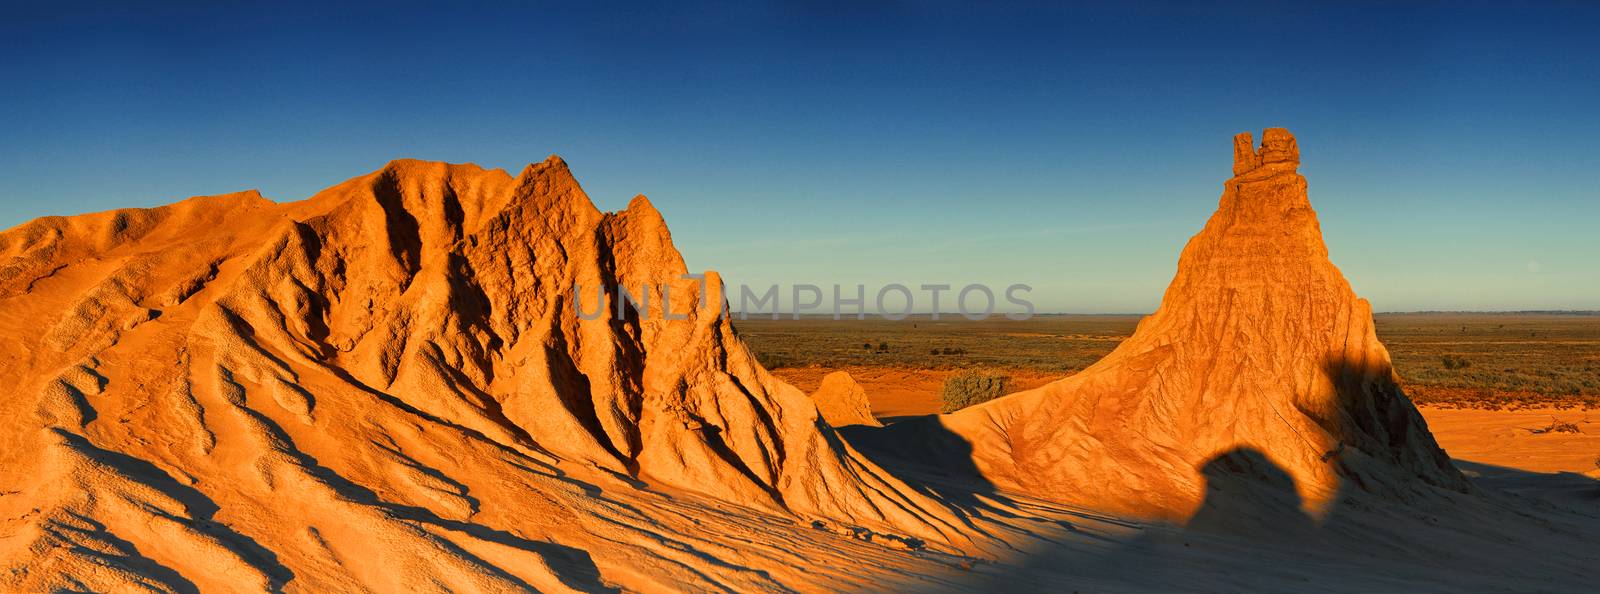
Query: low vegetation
x,y
1496,361
968,388
771,360
1450,360
1056,344
1557,426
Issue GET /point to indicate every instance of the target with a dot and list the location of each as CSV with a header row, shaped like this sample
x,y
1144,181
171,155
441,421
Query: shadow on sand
x,y
922,453
201,509
927,457
1251,534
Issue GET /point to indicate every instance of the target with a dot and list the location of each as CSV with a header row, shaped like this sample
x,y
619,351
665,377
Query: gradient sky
x,y
1452,149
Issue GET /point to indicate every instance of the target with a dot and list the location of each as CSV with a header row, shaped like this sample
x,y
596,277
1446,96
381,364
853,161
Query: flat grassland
x,y
1450,360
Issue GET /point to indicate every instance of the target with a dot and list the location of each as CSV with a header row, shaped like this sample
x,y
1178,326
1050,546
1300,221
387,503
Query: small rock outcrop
x,y
843,402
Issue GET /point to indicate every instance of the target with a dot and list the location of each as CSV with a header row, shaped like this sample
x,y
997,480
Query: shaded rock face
x,y
380,386
843,402
1259,344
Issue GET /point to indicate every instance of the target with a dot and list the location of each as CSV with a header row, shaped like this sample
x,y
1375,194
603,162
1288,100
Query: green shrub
x,y
1455,362
772,361
967,388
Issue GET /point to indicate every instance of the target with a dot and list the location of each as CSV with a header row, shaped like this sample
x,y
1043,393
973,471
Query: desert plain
x,y
1519,402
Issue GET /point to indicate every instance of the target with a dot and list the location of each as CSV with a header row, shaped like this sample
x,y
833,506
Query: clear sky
x,y
1452,149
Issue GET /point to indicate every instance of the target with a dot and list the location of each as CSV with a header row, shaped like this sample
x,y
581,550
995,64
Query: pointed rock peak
x,y
548,190
549,170
642,217
641,206
641,225
1277,146
553,167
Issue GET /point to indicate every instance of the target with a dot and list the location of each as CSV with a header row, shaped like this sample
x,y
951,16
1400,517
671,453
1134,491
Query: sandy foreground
x,y
1515,439
1547,479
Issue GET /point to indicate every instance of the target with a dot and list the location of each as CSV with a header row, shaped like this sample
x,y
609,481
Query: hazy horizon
x,y
1451,149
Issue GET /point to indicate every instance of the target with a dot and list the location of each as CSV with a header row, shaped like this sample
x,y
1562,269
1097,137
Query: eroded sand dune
x,y
1259,345
387,385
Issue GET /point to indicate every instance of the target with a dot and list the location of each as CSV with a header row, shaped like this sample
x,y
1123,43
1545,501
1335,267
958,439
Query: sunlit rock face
x,y
388,387
1259,345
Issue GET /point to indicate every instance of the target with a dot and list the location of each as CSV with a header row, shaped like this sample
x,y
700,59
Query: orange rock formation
x,y
1259,344
388,386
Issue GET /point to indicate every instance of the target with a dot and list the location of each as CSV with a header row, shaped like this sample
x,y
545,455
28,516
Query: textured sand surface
x,y
390,387
1521,439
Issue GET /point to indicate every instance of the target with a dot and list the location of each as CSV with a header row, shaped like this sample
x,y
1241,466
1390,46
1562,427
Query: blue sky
x,y
1452,149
